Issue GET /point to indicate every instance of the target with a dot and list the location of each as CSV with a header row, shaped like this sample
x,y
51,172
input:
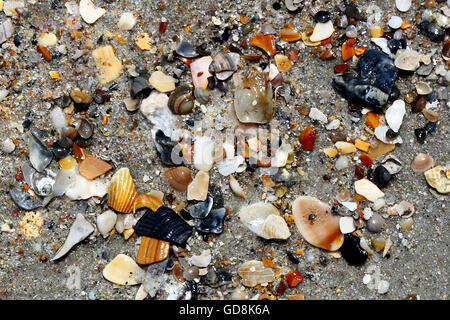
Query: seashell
x,y
24,200
341,163
200,209
316,223
408,60
253,216
198,188
423,88
40,156
375,223
179,178
121,191
439,178
79,231
381,131
222,62
127,21
406,224
106,221
79,188
202,260
253,100
162,82
85,129
121,270
264,42
293,5
230,165
92,167
392,164
181,101
81,97
149,201
345,147
274,227
167,149
108,66
203,153
403,5
254,272
143,41
89,12
139,88
152,250
322,31
200,72
202,95
185,49
141,294
346,225
164,224
289,34
422,162
283,63
394,115
236,187
213,223
368,189
124,222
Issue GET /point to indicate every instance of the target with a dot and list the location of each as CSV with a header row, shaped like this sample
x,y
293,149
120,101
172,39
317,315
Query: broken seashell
x,y
404,208
203,153
92,167
422,162
152,250
162,82
126,21
230,165
179,178
380,133
346,225
181,100
236,187
106,221
202,260
198,188
200,209
24,200
40,156
316,223
318,115
143,41
254,272
253,216
423,88
185,49
164,224
81,188
154,277
274,227
439,178
322,31
121,191
121,270
403,5
222,62
79,231
124,222
394,115
283,63
200,72
213,223
392,164
345,147
89,12
289,34
108,66
264,42
407,59
368,189
253,100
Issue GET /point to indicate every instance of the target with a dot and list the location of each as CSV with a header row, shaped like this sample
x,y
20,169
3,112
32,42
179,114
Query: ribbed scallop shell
x,y
121,191
152,250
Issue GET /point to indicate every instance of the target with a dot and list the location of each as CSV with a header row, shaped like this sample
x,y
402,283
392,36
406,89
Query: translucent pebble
x,y
383,287
366,278
403,5
395,22
58,118
341,163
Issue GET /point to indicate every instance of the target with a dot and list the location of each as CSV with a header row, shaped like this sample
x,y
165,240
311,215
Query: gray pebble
x,y
375,223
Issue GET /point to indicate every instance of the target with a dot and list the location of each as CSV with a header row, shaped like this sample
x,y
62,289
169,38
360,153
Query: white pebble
x,y
8,146
3,94
367,278
350,205
341,163
383,287
347,225
395,22
106,221
403,5
126,21
333,124
316,114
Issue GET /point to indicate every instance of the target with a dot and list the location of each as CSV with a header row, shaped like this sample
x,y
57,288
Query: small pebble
x,y
383,287
375,223
8,146
395,22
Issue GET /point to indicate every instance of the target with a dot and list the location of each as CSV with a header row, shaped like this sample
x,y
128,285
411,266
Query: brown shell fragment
x,y
422,162
179,178
439,178
92,167
121,191
181,100
264,42
148,201
152,250
317,224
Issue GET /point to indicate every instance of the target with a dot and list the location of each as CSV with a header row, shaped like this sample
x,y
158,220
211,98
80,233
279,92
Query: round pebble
x,y
383,287
191,273
395,22
351,31
375,223
8,146
322,16
366,278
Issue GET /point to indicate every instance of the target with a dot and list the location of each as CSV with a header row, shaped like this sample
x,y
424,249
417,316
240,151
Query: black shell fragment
x,y
164,224
381,177
200,209
140,88
351,250
164,145
213,223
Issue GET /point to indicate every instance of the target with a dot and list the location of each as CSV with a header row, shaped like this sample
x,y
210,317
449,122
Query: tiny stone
x,y
375,223
8,146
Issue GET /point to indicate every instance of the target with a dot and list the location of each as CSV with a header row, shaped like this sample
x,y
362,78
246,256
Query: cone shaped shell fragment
x,y
121,191
316,223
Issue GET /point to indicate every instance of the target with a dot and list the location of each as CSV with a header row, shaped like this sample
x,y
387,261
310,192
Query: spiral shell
x,y
121,191
181,100
179,178
222,62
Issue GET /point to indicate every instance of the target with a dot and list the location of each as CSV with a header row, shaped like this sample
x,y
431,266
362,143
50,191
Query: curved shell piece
x,y
198,188
422,162
222,62
179,178
236,187
152,250
274,227
89,12
254,272
408,60
121,270
317,224
181,100
121,191
253,216
439,178
368,189
148,201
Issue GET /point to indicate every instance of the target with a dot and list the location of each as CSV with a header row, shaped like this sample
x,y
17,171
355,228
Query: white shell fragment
x,y
126,21
121,270
89,12
274,227
203,153
318,115
408,60
253,216
6,31
105,222
58,118
394,115
82,188
236,187
230,165
368,190
345,147
322,31
9,7
403,209
403,5
202,260
79,231
347,225
423,88
254,272
380,133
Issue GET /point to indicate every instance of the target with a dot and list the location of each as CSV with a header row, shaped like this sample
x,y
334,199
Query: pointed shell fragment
x,y
149,201
264,42
236,187
108,66
89,12
316,223
143,41
121,191
254,272
92,167
200,71
368,189
322,31
152,250
274,227
439,178
394,115
198,188
121,270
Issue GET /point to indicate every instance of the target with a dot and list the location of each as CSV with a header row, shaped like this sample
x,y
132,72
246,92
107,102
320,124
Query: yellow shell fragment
x,y
30,224
108,66
149,201
143,41
121,191
439,178
121,270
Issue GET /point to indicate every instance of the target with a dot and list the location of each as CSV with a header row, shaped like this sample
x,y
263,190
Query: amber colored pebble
x,y
360,50
45,53
430,115
405,25
152,250
178,272
446,49
289,34
372,119
347,52
359,171
327,54
429,4
350,42
325,41
366,160
81,97
148,201
418,103
362,145
297,296
267,181
163,26
93,167
380,149
293,278
376,32
80,153
282,287
268,263
264,42
67,163
340,68
308,138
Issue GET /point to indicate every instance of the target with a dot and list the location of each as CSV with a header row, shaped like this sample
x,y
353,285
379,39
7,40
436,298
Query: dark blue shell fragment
x,y
165,147
213,223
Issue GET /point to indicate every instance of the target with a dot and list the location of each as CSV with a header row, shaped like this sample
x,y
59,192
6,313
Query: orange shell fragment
x,y
264,42
143,41
347,52
92,167
289,34
148,201
152,250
